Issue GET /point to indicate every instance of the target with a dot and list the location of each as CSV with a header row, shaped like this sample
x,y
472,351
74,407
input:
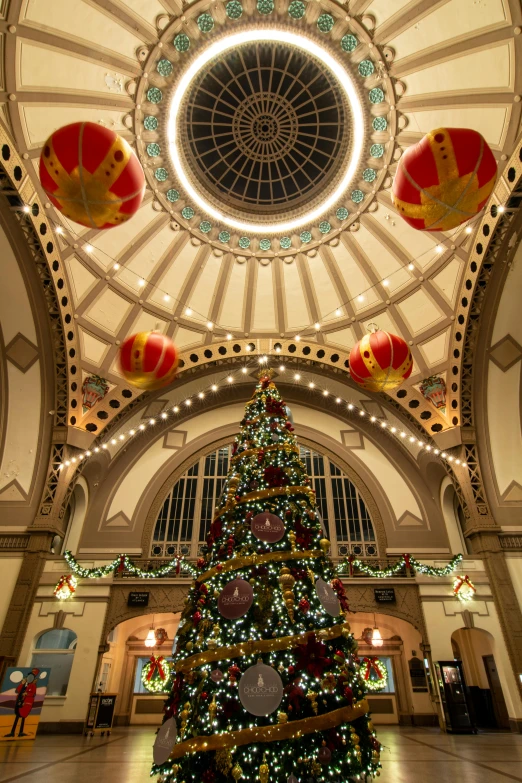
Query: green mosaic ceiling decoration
x,y
380,123
154,95
349,43
296,10
377,150
265,7
366,68
164,68
182,42
325,23
376,95
234,9
205,23
150,123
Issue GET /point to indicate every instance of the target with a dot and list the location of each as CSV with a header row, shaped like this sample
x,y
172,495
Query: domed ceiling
x,y
269,132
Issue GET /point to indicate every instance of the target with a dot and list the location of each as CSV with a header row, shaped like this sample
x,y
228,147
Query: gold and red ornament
x,y
91,175
66,587
444,180
161,635
380,362
463,588
149,360
155,674
374,674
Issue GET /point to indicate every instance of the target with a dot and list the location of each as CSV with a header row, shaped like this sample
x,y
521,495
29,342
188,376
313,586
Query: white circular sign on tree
x,y
165,741
327,597
268,527
235,599
260,690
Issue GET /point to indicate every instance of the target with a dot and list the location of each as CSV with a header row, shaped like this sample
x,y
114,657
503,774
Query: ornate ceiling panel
x,y
257,271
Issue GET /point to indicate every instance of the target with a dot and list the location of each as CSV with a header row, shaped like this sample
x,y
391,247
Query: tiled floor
x,y
409,756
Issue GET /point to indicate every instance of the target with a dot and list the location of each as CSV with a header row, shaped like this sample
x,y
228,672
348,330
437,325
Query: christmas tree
x,y
267,683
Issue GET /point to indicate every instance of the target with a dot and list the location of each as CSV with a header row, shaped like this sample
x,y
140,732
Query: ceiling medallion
x,y
264,130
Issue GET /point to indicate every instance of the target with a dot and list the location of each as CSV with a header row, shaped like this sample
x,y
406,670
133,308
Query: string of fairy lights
x,y
198,399
189,312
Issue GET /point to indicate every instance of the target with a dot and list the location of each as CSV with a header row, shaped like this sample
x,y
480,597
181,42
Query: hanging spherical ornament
x,y
149,360
445,179
325,755
155,674
66,587
91,175
217,675
380,361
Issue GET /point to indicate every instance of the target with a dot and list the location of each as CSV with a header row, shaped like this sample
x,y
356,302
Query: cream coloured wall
x,y
444,616
389,626
404,499
85,618
10,567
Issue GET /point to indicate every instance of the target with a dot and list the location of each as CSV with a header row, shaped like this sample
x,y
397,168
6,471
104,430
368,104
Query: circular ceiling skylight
x,y
265,121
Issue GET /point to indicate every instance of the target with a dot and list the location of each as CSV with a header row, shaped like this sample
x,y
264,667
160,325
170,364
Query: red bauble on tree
x,y
445,179
149,360
91,175
380,361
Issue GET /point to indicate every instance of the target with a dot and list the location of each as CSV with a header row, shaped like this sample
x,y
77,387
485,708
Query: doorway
x,y
497,697
475,649
121,669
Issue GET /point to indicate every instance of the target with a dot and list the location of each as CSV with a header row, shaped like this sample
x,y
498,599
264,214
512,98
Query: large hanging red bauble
x,y
91,175
149,360
380,361
444,180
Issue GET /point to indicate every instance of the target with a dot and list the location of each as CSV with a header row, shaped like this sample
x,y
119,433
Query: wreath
x,y
374,674
155,674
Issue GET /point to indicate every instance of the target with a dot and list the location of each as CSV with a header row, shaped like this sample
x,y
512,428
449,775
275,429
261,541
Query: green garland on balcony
x,y
405,561
124,563
178,564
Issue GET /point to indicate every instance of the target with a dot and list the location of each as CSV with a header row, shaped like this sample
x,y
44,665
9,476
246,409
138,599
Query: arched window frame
x,y
42,657
190,546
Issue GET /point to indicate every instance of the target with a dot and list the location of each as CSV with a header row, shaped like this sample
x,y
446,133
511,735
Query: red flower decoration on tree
x,y
341,595
295,695
311,657
275,477
303,535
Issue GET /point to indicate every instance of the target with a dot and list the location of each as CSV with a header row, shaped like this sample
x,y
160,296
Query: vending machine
x,y
454,697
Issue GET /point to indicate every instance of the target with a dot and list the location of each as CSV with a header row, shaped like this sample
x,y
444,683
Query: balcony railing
x,y
152,564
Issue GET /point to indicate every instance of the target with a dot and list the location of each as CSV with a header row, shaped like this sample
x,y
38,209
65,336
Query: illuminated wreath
x,y
155,674
66,587
463,588
374,674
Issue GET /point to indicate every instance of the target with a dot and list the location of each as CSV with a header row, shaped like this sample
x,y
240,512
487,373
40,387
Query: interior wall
x,y
10,567
131,482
